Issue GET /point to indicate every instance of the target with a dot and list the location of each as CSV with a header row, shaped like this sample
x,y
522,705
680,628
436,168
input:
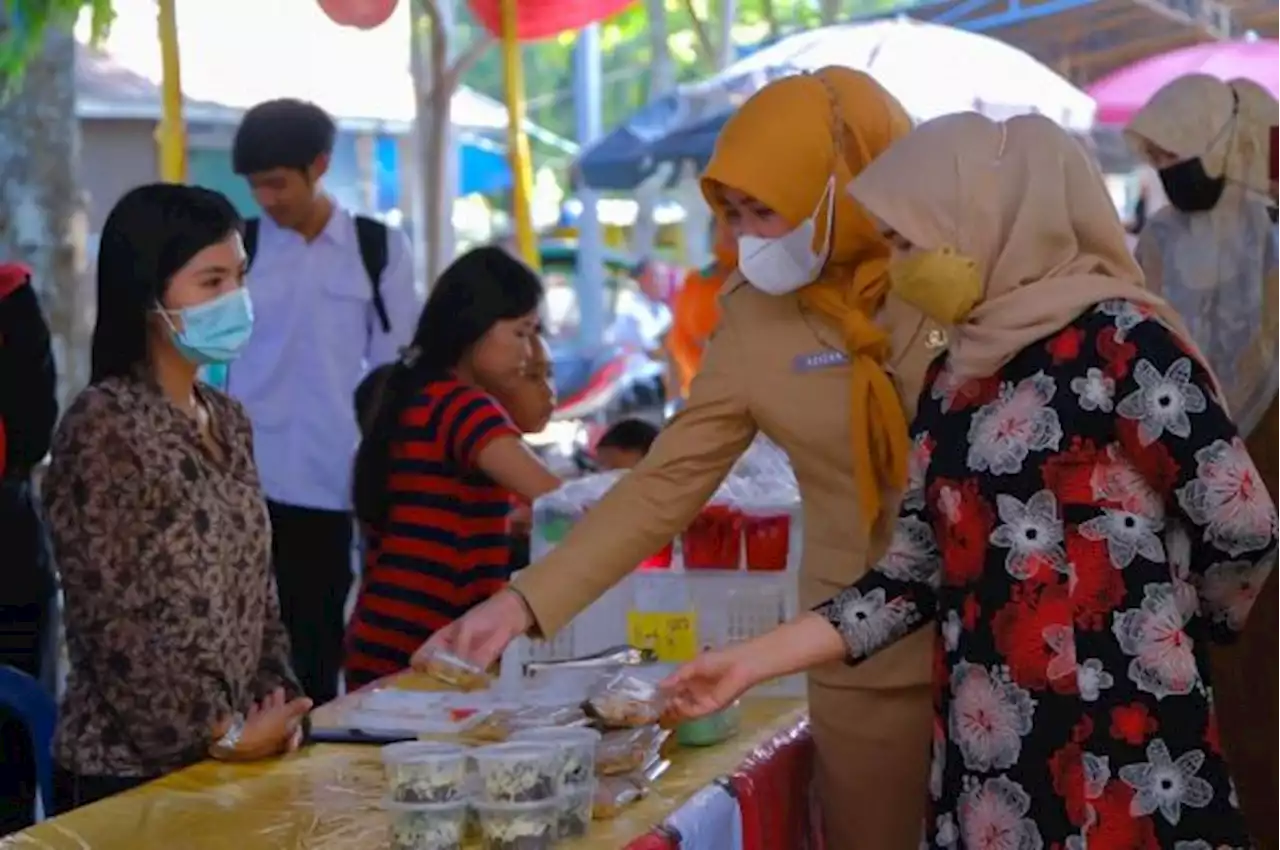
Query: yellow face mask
x,y
941,284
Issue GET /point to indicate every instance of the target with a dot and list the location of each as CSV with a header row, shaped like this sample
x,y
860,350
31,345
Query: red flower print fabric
x,y
1078,528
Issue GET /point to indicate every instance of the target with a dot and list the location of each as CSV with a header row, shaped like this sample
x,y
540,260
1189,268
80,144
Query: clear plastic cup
x,y
574,819
518,826
426,771
518,772
577,746
426,826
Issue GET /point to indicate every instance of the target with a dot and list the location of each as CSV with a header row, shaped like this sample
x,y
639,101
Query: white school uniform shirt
x,y
315,335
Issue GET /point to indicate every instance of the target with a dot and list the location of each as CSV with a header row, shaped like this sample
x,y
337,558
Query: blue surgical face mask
x,y
215,331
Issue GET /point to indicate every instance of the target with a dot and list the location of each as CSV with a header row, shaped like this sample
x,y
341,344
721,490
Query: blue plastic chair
x,y
33,706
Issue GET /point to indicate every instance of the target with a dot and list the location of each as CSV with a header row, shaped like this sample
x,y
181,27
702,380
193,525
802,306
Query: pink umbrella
x,y
1122,93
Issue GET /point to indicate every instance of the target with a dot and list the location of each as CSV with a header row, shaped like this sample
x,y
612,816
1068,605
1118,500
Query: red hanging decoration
x,y
546,18
361,14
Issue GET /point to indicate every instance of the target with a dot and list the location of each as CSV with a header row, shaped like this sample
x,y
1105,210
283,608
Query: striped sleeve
x,y
471,420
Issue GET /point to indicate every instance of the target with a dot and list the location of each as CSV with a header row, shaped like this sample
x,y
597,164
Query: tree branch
x,y
700,30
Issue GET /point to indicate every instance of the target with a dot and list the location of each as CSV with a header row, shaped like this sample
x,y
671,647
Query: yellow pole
x,y
517,141
171,134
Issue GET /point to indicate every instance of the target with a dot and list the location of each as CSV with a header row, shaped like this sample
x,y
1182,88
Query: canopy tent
x,y
983,75
1122,93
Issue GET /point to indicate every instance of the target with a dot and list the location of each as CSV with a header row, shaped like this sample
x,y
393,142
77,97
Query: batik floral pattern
x,y
1078,527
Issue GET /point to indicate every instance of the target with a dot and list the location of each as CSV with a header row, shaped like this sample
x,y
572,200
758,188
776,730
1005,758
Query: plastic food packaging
x,y
713,541
501,724
518,772
577,745
660,560
768,542
425,771
518,826
623,701
426,826
456,672
575,811
712,729
615,793
627,751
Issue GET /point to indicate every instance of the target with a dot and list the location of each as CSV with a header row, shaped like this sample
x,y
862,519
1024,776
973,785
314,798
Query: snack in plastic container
x,y
622,701
500,724
426,826
518,772
713,541
575,811
518,826
577,746
444,666
425,771
768,542
629,750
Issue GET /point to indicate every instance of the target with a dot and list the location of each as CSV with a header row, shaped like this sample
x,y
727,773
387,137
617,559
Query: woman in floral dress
x,y
1081,519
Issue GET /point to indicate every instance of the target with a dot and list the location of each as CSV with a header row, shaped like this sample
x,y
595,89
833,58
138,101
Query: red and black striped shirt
x,y
444,546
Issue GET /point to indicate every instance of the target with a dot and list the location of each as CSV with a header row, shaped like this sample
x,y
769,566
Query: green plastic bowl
x,y
710,730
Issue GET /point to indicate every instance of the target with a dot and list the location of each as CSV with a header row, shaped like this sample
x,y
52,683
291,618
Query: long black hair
x,y
479,289
151,233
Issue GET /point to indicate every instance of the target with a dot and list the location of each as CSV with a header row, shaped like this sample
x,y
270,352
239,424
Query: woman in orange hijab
x,y
697,309
811,352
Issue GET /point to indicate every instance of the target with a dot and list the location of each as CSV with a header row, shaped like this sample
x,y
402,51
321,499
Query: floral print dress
x,y
1079,527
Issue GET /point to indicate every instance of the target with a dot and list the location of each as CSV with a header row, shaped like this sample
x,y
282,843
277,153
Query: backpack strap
x,y
250,236
372,236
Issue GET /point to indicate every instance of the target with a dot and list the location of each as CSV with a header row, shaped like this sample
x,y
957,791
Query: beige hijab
x,y
1028,204
1217,268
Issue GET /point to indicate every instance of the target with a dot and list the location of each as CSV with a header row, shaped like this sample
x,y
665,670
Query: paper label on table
x,y
673,635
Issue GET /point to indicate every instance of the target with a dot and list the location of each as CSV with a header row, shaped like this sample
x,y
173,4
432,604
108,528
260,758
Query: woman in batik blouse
x,y
1081,517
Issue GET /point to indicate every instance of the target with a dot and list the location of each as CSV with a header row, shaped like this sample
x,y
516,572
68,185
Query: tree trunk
x,y
42,216
829,12
662,80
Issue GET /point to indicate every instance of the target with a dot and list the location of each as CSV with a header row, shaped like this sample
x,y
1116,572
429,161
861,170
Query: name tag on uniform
x,y
819,360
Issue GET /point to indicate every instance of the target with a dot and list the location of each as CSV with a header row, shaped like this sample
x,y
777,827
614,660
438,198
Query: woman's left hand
x,y
709,683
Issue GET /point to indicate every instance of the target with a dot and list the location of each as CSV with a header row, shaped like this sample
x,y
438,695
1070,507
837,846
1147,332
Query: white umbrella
x,y
934,70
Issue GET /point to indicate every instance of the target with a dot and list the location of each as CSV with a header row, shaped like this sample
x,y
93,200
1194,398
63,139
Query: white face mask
x,y
782,265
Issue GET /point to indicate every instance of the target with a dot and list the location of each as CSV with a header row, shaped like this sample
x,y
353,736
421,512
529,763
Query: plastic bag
x,y
623,701
557,512
615,793
626,751
444,666
494,727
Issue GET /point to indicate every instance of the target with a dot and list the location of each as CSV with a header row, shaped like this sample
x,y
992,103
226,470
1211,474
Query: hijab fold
x,y
781,148
1029,205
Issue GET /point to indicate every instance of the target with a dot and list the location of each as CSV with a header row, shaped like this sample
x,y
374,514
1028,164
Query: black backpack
x,y
371,235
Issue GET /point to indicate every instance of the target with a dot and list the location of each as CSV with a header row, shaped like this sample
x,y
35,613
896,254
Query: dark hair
x,y
151,233
284,133
632,435
479,289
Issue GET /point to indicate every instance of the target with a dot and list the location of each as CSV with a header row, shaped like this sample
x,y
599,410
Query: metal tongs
x,y
616,656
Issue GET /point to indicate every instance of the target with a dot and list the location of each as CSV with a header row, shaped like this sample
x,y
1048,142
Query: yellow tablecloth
x,y
326,798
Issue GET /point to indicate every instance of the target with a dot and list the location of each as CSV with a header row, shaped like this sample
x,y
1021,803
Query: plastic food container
x,y
426,826
425,771
553,525
768,541
577,747
518,826
713,541
497,726
712,729
574,818
660,560
518,772
456,672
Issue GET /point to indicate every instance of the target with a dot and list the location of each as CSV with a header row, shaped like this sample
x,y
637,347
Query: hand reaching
x,y
709,683
482,634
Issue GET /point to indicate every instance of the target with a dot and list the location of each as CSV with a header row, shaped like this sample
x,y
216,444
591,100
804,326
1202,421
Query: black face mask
x,y
1274,213
1189,188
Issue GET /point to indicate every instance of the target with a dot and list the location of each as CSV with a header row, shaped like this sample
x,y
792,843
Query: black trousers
x,y
311,551
70,791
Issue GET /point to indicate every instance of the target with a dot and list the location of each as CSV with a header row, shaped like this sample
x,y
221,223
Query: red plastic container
x,y
660,560
713,541
768,541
